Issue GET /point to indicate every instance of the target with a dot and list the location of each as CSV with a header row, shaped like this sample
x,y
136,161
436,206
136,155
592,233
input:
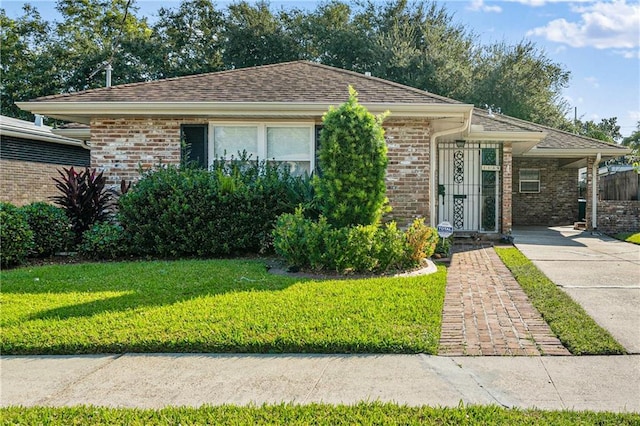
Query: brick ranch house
x,y
30,156
482,172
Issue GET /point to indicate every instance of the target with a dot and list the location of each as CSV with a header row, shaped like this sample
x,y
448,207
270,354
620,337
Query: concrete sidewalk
x,y
600,273
157,380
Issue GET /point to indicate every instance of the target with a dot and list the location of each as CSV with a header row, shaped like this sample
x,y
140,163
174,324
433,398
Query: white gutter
x,y
41,136
433,155
615,150
82,111
594,193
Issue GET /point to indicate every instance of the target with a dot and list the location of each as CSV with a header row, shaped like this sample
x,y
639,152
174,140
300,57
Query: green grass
x,y
629,237
577,331
213,306
317,414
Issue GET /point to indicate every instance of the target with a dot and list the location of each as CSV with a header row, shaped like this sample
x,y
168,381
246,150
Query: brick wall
x,y
408,169
23,182
557,202
618,216
120,146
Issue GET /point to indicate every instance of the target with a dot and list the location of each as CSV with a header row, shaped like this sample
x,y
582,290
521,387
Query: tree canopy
x,y
414,43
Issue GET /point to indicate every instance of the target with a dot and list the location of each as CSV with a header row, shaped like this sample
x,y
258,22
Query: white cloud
x,y
479,6
593,81
537,3
628,54
634,115
602,25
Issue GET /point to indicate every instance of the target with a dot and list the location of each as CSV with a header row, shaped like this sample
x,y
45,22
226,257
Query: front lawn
x,y
629,237
317,414
213,306
577,331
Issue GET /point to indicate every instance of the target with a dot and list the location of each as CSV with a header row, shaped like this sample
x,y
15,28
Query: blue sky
x,y
598,41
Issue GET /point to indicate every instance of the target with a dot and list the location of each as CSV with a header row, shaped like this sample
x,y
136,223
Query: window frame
x,y
205,141
262,128
521,181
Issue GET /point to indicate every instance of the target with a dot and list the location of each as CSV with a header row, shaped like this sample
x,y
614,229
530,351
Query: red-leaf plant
x,y
84,198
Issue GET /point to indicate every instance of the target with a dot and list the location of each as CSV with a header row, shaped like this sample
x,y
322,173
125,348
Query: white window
x,y
284,143
229,141
529,181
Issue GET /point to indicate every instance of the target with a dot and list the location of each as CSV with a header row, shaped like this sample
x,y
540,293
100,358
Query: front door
x,y
469,185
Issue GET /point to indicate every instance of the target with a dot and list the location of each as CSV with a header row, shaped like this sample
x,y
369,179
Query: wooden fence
x,y
623,186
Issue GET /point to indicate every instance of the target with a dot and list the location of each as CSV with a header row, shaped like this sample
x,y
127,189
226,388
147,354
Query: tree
x,y
95,32
633,141
189,40
342,39
42,58
606,130
520,81
353,163
27,71
419,45
254,36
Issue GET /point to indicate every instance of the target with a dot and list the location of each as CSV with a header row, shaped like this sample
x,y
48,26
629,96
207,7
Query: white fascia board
x,y
574,153
506,136
40,136
82,111
82,134
521,142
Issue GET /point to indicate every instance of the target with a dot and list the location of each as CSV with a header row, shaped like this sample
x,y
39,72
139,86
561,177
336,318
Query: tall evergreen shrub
x,y
353,161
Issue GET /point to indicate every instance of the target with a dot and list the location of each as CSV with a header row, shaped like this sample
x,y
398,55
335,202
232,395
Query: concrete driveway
x,y
600,273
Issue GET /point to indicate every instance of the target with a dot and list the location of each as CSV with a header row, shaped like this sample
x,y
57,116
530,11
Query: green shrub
x,y
104,241
421,240
291,239
84,198
229,210
353,161
393,249
443,248
15,236
51,228
315,245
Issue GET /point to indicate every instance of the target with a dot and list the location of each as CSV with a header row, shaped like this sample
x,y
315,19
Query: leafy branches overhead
x,y
414,43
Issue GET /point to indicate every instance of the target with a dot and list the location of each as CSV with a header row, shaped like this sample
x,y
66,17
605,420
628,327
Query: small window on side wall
x,y
194,145
529,181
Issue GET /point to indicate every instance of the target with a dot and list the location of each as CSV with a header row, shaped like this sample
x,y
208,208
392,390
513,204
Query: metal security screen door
x,y
469,185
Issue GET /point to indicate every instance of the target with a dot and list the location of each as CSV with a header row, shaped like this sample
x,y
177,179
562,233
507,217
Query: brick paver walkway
x,y
487,313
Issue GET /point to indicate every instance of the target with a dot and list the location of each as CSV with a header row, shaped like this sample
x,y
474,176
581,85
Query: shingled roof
x,y
299,81
554,139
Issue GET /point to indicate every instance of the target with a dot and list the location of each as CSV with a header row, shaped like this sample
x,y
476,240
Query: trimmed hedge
x,y
228,210
316,245
104,241
51,228
15,235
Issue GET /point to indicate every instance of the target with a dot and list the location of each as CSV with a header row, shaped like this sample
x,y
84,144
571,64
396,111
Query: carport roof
x,y
554,139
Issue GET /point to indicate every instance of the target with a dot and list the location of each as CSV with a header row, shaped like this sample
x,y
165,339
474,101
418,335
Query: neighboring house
x,y
30,155
480,171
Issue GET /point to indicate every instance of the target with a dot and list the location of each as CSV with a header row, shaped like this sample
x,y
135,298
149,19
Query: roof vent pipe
x,y
367,73
38,120
108,68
